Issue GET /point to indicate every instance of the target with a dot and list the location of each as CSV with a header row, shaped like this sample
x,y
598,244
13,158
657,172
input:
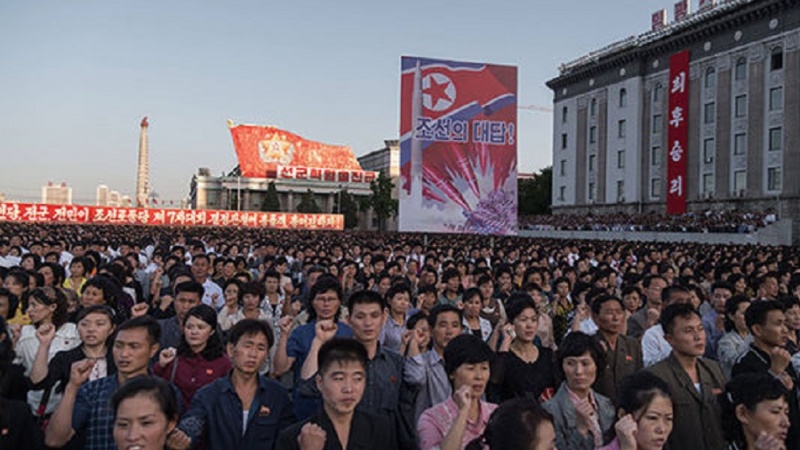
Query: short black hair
x,y
667,292
148,323
250,327
731,306
364,297
156,388
252,288
757,312
598,302
465,349
441,309
341,350
517,303
672,312
577,344
190,286
324,284
748,389
398,288
426,289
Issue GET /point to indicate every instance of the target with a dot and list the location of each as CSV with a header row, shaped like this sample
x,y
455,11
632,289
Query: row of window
x,y
709,115
709,82
739,185
775,143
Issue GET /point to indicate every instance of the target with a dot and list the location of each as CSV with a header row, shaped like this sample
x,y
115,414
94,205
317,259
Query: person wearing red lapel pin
x,y
341,379
244,410
199,359
623,355
695,381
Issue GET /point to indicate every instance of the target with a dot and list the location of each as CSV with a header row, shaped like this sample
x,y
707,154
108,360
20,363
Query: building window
x,y
709,112
564,113
711,78
592,159
623,98
621,159
739,182
775,138
563,167
740,106
563,141
708,183
655,188
593,107
658,92
591,191
656,128
740,72
561,191
621,190
655,156
708,150
774,179
776,59
776,99
739,144
592,135
621,129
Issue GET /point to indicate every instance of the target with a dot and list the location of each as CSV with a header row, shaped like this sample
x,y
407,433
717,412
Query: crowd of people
x,y
219,338
710,221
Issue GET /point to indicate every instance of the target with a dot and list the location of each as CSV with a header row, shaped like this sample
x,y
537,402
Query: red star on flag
x,y
437,91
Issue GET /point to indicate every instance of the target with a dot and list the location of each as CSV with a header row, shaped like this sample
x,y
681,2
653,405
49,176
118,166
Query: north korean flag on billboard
x,y
457,146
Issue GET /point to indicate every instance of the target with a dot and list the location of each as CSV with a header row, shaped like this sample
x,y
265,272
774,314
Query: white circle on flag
x,y
438,92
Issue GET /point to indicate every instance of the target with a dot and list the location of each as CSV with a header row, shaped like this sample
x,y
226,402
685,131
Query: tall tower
x,y
143,172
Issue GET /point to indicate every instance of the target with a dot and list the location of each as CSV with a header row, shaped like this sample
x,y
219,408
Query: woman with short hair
x,y
582,417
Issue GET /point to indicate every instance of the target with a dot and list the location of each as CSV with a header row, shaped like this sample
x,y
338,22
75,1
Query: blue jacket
x,y
215,416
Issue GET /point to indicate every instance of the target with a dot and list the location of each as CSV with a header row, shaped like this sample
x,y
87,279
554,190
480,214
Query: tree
x,y
535,195
345,204
308,205
272,202
381,200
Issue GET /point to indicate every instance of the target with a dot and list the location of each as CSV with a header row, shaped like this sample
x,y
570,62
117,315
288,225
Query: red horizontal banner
x,y
40,213
314,173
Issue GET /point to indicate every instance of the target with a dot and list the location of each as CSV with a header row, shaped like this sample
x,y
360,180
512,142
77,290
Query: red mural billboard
x,y
677,132
80,214
262,149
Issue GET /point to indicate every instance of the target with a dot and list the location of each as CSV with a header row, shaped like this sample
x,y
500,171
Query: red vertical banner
x,y
678,132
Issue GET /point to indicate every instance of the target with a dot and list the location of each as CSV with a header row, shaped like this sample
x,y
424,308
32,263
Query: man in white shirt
x,y
655,347
213,293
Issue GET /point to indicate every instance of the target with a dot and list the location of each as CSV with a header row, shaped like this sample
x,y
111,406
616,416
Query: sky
x,y
77,76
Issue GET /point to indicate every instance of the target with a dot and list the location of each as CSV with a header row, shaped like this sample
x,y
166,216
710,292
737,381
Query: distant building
x,y
233,192
114,199
611,115
102,195
126,201
386,159
53,194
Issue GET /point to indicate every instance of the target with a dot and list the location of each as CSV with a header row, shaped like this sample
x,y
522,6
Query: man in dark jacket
x,y
767,323
341,380
695,382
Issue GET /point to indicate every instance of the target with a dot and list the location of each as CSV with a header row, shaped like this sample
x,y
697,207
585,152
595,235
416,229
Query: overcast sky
x,y
77,76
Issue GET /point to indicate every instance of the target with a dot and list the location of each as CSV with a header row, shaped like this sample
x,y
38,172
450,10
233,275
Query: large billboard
x,y
103,215
262,149
458,147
